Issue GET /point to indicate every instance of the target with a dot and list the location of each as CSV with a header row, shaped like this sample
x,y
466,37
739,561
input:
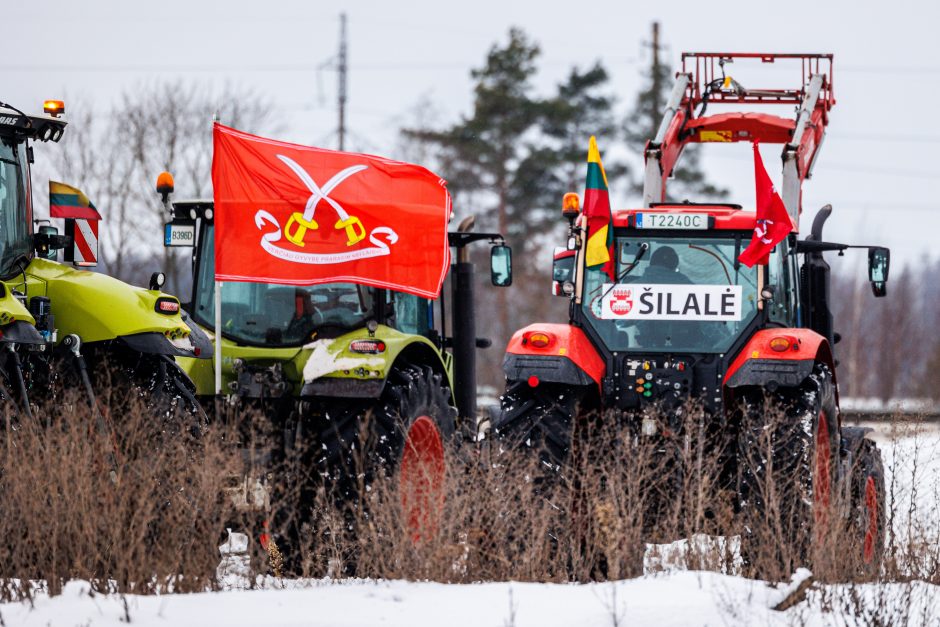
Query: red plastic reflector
x,y
369,347
780,344
167,306
533,381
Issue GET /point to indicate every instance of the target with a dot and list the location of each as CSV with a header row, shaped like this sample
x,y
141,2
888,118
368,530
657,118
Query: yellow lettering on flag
x,y
715,136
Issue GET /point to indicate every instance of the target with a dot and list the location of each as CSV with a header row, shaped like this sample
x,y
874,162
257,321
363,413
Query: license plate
x,y
672,221
176,234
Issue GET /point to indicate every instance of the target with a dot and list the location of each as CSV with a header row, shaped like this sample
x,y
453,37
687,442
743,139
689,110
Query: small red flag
x,y
297,215
773,221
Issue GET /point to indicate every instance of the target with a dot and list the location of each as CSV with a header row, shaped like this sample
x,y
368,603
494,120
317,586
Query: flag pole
x,y
218,339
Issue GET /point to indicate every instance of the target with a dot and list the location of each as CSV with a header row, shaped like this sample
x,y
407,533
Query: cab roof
x,y
41,127
724,217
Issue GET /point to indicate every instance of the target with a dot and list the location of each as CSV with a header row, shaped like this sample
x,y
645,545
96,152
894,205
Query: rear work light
x,y
780,344
369,347
538,339
167,306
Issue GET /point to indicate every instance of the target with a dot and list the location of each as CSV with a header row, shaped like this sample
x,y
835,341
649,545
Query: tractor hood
x,y
97,307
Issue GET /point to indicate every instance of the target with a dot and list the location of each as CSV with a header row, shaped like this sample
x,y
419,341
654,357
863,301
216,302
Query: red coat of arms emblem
x,y
621,301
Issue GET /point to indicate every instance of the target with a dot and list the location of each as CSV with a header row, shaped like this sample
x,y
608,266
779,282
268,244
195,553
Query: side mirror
x,y
501,265
879,260
562,270
48,242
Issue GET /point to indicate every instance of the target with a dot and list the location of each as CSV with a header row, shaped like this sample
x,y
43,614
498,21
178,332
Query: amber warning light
x,y
55,108
570,206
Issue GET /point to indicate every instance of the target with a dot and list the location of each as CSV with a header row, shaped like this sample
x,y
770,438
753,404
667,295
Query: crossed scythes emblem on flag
x,y
304,221
355,232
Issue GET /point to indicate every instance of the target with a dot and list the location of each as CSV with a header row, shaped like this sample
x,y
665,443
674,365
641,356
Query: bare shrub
x,y
613,509
123,503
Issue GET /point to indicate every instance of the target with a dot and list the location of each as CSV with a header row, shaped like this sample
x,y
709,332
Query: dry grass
x,y
126,507
142,512
506,516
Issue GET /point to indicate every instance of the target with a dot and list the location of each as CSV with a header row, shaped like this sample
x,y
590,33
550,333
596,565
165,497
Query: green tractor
x,y
317,361
65,327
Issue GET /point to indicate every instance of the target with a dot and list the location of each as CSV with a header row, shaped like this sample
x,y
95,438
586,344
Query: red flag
x,y
773,221
296,215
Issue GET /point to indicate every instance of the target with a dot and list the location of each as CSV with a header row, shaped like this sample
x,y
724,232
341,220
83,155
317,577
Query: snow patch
x,y
325,358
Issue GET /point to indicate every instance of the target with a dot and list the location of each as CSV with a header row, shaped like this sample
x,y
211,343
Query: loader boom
x,y
703,81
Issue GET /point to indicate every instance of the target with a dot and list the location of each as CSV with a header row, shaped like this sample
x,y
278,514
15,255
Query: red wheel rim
x,y
821,482
422,478
871,504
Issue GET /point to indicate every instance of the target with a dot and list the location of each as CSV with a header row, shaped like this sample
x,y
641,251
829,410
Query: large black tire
x,y
867,505
787,445
538,418
159,383
351,443
357,439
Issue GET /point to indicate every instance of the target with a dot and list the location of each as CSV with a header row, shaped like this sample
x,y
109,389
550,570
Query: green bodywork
x,y
327,358
11,309
93,306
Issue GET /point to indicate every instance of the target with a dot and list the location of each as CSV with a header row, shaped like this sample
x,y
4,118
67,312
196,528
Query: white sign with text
x,y
657,301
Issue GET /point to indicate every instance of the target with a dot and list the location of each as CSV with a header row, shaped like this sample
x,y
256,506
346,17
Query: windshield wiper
x,y
639,255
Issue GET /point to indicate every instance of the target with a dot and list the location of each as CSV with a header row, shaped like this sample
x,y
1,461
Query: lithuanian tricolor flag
x,y
600,226
66,201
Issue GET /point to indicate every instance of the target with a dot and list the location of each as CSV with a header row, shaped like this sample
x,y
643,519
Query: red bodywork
x,y
805,344
726,218
566,341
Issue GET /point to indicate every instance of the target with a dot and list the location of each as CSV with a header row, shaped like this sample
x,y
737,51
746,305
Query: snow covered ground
x,y
673,597
679,598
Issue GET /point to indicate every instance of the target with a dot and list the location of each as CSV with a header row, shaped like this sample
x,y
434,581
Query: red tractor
x,y
685,321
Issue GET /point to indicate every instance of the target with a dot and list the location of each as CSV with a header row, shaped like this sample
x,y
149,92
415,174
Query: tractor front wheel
x,y
539,418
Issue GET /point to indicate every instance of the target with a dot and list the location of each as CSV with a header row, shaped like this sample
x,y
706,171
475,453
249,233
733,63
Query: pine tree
x,y
582,107
482,155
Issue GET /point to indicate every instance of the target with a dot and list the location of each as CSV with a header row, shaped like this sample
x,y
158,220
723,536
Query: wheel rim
x,y
871,504
421,481
821,483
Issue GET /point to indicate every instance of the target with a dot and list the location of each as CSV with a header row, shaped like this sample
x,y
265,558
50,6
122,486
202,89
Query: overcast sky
x,y
878,166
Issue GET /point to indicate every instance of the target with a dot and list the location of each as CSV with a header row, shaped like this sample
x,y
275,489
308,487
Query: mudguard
x,y
569,357
325,367
758,364
97,307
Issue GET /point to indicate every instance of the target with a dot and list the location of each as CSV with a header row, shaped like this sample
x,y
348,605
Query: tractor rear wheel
x,y
357,440
402,435
866,516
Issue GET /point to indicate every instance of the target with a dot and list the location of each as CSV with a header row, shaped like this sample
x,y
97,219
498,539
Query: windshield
x,y
280,315
672,295
14,221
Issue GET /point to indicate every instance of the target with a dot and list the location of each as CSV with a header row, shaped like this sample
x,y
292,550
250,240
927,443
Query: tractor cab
x,y
17,130
337,339
281,316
